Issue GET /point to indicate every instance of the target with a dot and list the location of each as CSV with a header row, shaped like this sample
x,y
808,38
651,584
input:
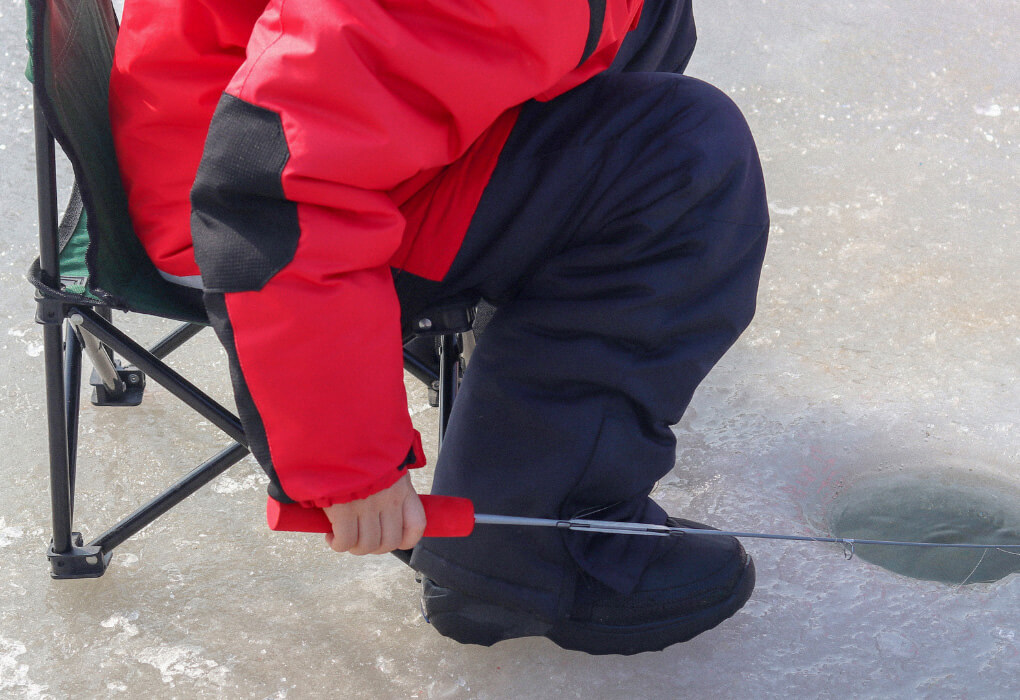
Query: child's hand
x,y
390,519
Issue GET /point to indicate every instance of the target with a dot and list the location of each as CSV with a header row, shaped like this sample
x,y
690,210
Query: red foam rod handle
x,y
445,516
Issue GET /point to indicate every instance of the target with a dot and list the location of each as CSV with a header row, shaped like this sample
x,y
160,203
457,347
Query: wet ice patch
x,y
122,622
990,110
176,663
446,689
14,674
384,664
8,534
783,211
228,485
126,559
33,347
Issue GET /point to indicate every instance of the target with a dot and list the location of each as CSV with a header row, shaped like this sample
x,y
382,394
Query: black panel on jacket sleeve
x,y
254,429
243,228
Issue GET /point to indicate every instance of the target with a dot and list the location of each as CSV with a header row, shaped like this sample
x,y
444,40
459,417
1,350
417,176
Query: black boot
x,y
698,581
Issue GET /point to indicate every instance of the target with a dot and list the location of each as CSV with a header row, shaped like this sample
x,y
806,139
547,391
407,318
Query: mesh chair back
x,y
71,44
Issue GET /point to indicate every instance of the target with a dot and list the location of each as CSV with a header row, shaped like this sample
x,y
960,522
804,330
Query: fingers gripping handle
x,y
445,516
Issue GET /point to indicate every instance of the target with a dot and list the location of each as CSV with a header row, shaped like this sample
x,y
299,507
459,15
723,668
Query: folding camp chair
x,y
91,262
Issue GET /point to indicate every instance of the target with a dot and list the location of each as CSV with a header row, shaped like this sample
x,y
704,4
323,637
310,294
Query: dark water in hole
x,y
934,509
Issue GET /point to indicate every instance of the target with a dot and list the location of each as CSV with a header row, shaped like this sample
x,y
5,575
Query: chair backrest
x,y
71,44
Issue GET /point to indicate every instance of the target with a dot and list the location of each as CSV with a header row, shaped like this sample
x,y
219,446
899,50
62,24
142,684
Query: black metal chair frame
x,y
73,326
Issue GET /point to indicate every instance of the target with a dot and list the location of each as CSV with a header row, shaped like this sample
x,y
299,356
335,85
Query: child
x,y
352,163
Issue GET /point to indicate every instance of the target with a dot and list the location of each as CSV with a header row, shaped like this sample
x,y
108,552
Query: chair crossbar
x,y
177,338
188,485
158,370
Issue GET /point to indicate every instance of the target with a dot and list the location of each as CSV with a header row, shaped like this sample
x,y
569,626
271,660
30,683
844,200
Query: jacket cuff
x,y
415,459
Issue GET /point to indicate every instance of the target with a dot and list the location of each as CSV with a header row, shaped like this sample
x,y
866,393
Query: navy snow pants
x,y
621,239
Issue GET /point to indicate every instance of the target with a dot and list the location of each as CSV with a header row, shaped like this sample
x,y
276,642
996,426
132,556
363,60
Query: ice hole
x,y
949,507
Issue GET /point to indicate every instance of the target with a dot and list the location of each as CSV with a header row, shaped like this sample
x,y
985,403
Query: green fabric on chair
x,y
72,86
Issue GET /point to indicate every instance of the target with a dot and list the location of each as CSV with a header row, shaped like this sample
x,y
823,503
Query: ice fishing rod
x,y
450,516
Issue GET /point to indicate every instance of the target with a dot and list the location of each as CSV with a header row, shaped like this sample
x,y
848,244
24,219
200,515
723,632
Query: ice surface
x,y
885,345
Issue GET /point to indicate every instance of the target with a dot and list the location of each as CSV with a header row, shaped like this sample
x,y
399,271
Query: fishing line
x,y
602,526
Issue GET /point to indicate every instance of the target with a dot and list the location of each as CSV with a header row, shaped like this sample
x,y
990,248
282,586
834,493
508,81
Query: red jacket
x,y
393,115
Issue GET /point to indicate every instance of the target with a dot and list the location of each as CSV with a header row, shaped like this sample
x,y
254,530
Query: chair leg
x,y
446,387
72,397
60,476
68,557
449,379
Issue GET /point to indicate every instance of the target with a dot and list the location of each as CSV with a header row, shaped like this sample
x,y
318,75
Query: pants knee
x,y
711,124
713,140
